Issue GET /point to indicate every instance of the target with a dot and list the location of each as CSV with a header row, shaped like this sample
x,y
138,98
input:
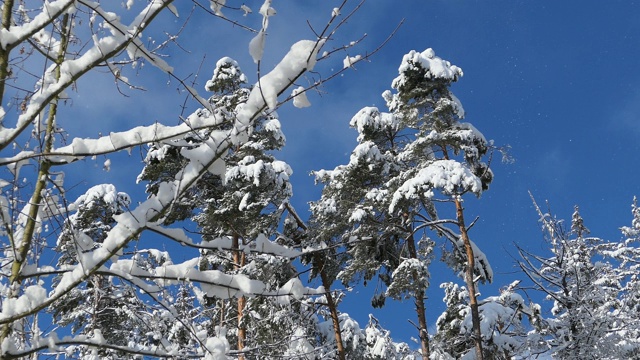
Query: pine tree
x,y
245,207
505,334
382,204
102,306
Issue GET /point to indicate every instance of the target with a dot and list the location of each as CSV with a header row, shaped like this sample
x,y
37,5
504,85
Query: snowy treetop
x,y
435,67
102,192
227,71
371,118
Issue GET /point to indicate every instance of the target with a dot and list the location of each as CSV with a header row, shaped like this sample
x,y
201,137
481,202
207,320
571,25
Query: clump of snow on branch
x,y
106,194
32,297
350,60
217,346
256,45
299,345
366,152
247,169
300,99
435,67
300,58
216,6
226,70
18,33
370,119
449,176
247,10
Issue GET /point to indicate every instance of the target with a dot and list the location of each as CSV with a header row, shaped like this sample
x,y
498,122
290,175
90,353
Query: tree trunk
x,y
7,9
420,308
326,283
21,250
318,263
469,275
238,262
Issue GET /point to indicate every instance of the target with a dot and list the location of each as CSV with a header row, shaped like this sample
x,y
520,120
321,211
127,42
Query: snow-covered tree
x,y
586,320
505,334
100,304
381,205
244,205
626,257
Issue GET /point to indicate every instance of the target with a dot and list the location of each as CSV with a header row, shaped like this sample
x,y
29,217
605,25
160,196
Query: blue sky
x,y
558,81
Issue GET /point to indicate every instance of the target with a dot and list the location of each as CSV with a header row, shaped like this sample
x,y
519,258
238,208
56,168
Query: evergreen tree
x,y
383,203
586,321
243,207
504,333
102,306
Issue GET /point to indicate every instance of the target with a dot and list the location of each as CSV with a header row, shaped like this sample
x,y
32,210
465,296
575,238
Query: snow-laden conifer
x,y
244,204
382,205
588,319
101,303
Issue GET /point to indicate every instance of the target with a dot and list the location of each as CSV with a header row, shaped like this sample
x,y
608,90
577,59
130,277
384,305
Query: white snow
x,y
137,136
105,192
300,99
71,69
300,58
266,10
217,347
350,60
371,118
32,297
449,176
293,287
436,68
17,34
298,345
357,215
230,71
256,46
367,151
216,6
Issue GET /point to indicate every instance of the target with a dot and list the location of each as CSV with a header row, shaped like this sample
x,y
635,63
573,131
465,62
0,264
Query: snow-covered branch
x,y
126,140
71,70
16,35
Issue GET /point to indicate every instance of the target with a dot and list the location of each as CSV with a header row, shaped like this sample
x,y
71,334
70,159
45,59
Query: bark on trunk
x,y
469,275
318,263
239,262
326,283
420,308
